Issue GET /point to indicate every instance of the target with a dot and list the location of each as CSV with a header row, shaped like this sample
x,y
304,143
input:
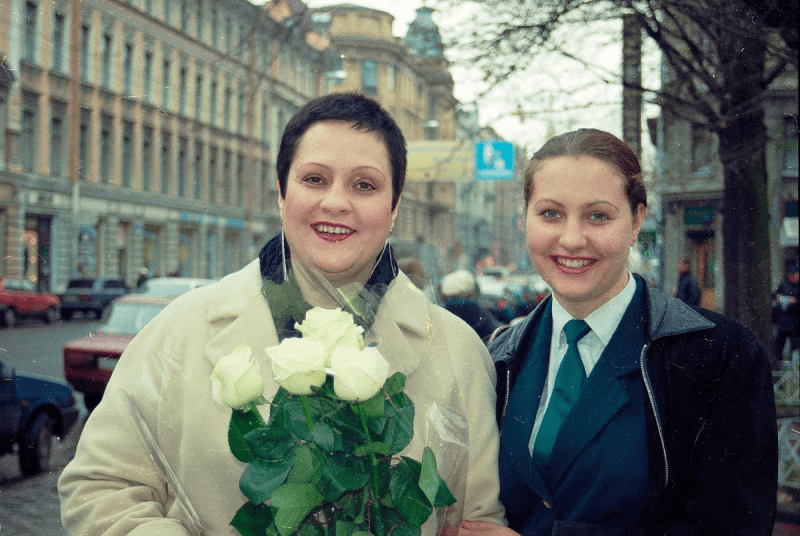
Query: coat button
x,y
547,505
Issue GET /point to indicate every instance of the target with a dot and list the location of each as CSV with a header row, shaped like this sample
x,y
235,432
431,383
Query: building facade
x,y
691,183
444,224
144,133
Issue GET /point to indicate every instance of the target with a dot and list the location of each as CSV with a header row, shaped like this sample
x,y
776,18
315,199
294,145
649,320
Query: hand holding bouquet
x,y
327,462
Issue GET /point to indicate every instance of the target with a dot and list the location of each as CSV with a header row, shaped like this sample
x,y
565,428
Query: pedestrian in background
x,y
623,410
786,312
688,291
459,291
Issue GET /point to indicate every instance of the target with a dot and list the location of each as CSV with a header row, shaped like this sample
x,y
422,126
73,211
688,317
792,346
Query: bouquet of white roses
x,y
327,461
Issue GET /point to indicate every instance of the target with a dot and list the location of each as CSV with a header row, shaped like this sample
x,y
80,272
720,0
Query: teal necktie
x,y
566,390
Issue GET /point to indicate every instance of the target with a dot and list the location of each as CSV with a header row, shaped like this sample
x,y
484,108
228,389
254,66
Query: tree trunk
x,y
745,229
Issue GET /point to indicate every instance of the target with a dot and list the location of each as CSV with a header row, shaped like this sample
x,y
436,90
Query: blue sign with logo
x,y
494,161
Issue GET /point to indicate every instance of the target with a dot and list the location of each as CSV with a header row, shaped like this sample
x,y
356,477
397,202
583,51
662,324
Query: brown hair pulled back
x,y
598,144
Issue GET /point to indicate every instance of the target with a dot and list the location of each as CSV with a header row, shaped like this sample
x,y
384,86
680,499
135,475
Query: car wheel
x,y
37,446
66,315
90,400
9,318
51,315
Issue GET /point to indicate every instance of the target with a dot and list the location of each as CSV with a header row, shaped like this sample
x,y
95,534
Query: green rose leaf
x,y
293,503
431,484
324,436
346,528
407,496
374,406
337,479
400,428
261,478
394,384
398,526
376,447
290,416
241,424
270,444
252,520
285,300
305,466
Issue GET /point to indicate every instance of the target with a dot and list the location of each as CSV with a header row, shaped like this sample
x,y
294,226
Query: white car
x,y
171,286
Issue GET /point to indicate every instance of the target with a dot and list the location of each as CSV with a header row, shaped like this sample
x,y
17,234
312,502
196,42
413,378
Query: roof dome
x,y
423,38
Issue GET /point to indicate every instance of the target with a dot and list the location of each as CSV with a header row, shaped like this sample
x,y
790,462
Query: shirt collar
x,y
603,320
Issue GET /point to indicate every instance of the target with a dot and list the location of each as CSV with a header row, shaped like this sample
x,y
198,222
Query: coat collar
x,y
240,312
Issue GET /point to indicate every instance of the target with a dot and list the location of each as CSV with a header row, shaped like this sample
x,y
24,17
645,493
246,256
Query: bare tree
x,y
721,56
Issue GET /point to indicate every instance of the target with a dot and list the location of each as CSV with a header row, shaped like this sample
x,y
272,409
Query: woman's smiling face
x,y
580,229
337,212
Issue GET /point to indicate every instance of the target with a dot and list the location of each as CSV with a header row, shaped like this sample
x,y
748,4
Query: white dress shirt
x,y
603,321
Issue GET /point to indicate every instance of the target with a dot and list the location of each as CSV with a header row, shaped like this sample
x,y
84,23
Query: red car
x,y
89,361
19,297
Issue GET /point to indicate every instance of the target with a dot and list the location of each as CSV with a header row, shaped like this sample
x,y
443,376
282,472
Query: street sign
x,y
494,161
439,161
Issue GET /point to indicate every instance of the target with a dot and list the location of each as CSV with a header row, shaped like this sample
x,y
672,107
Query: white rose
x,y
236,379
298,364
334,327
358,374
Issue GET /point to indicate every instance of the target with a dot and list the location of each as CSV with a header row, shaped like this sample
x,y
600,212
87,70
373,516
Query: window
x,y
212,175
214,23
147,158
228,37
198,169
264,120
212,105
28,139
198,97
701,149
390,77
127,62
790,146
226,110
59,34
106,148
265,186
167,12
29,43
183,148
242,104
226,176
240,180
127,154
199,22
166,155
107,59
369,77
86,43
148,7
182,81
185,16
165,79
85,143
57,134
147,74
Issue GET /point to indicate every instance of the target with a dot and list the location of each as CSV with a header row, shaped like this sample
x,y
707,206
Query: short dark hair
x,y
364,114
597,144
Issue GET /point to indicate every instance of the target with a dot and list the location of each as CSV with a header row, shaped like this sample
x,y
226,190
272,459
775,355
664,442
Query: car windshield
x,y
81,283
129,318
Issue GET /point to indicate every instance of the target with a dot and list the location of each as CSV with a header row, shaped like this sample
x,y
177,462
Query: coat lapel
x,y
605,391
524,402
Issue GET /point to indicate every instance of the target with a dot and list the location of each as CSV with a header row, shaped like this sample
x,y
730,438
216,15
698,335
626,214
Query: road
x,y
29,506
33,346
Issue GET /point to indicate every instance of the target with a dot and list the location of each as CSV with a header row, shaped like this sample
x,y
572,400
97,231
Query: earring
x,y
283,254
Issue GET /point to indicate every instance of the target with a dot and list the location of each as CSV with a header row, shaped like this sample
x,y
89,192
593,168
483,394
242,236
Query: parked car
x,y
33,410
89,361
91,295
19,297
171,286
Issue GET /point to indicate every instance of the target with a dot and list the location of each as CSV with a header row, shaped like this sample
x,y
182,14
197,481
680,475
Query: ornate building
x,y
142,133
